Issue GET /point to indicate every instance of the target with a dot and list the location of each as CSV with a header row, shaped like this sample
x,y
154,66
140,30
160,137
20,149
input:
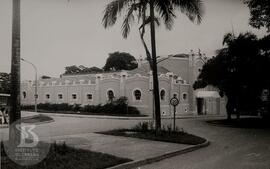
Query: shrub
x,y
118,106
27,107
121,101
76,107
141,126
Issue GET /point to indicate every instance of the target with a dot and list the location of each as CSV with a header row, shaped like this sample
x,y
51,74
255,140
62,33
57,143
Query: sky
x,y
58,33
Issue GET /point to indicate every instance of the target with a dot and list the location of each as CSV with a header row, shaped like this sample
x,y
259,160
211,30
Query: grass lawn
x,y
172,137
145,130
37,119
243,122
64,157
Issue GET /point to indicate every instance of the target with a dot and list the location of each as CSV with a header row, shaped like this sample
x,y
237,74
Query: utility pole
x,y
154,61
35,68
15,103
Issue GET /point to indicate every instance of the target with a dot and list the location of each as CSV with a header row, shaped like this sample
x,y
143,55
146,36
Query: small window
x,y
36,96
60,96
89,96
74,96
184,96
24,95
110,95
162,94
47,96
175,95
137,94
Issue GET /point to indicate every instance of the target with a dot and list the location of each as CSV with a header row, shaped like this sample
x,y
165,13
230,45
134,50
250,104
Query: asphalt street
x,y
230,148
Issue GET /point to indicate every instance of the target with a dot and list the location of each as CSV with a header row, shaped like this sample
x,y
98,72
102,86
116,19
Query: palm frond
x,y
148,20
113,10
164,8
169,22
166,11
194,9
129,18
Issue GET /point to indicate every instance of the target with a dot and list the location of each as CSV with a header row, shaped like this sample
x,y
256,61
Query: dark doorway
x,y
199,106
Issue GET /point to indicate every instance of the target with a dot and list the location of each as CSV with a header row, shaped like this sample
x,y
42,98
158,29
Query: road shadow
x,y
244,122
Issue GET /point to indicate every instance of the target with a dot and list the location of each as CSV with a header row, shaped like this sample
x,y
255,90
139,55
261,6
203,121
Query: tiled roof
x,y
144,70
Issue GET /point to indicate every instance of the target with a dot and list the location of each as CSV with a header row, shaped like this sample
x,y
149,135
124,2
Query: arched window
x,y
24,95
184,96
162,94
137,94
110,95
47,96
60,96
74,96
89,97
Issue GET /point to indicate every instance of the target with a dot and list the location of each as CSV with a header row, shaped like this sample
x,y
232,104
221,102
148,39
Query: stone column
x,y
97,89
123,83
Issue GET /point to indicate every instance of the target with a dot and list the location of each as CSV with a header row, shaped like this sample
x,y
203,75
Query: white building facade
x,y
176,73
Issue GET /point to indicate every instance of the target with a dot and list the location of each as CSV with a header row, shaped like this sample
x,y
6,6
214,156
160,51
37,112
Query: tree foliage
x,y
239,71
260,13
81,70
120,61
45,77
4,82
165,9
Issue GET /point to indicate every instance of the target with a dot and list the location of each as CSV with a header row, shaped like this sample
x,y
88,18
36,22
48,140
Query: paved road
x,y
71,125
230,148
77,132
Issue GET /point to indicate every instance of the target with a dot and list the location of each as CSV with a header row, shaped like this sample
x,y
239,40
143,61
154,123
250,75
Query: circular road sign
x,y
174,101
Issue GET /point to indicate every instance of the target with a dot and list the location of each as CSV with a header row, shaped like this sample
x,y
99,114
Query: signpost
x,y
174,102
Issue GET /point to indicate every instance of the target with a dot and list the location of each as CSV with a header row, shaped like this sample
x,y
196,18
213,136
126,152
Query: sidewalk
x,y
136,149
141,151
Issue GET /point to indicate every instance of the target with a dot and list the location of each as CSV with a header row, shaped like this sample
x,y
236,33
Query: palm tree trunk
x,y
15,112
155,75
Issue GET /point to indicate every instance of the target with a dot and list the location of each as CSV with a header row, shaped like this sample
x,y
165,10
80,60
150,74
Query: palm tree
x,y
15,112
166,10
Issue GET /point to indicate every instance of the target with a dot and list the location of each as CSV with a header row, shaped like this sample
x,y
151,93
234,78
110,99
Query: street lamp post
x,y
35,68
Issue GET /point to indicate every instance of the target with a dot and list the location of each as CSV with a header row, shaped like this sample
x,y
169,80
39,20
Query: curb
x,y
124,118
43,122
129,118
138,163
96,117
37,123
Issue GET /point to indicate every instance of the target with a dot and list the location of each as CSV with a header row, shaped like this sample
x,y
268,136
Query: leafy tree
x,y
260,13
91,70
72,69
81,70
238,71
166,10
120,61
4,82
45,77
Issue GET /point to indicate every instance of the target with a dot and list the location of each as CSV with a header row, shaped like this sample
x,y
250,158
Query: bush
x,y
144,126
117,107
